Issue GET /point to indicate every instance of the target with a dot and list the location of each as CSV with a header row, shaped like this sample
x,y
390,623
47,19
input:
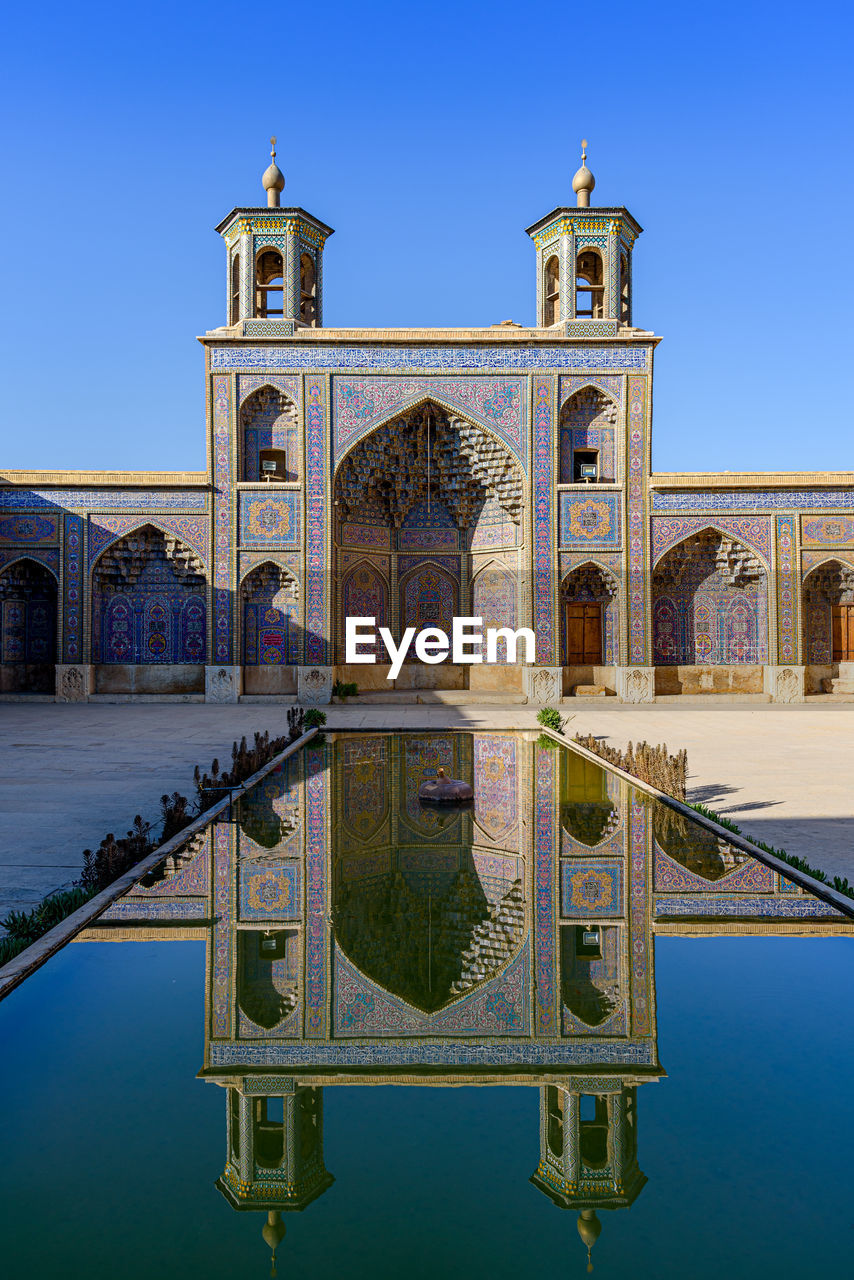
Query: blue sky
x,y
429,138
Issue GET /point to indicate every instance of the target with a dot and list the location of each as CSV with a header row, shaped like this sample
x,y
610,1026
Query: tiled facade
x,y
531,406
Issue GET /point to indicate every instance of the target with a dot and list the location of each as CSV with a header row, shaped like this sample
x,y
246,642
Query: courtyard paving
x,y
69,774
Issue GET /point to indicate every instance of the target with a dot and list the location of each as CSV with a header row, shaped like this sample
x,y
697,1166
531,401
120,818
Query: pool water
x,y
341,1033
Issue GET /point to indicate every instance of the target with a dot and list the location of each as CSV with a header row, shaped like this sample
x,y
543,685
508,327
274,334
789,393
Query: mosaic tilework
x,y
822,532
105,529
221,942
589,521
611,385
544,575
809,559
637,522
428,358
160,910
616,1024
222,522
787,590
32,528
776,908
268,520
364,594
365,535
270,891
671,877
48,556
754,531
291,387
72,589
315,542
641,976
318,802
498,404
460,1053
757,500
501,1007
429,597
591,889
100,499
545,1009
495,783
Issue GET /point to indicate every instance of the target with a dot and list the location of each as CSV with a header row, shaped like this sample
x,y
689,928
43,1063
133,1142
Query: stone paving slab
x,y
69,774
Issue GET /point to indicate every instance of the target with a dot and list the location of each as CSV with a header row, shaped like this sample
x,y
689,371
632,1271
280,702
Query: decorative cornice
x,y
107,479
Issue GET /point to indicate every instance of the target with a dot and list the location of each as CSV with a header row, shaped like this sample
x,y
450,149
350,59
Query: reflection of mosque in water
x,y
354,937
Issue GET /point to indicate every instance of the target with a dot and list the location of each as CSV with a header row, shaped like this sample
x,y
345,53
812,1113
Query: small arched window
x,y
308,290
625,290
589,285
269,284
234,312
551,310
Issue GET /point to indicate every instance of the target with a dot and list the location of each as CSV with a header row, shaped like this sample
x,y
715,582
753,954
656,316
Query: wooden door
x,y
842,622
584,634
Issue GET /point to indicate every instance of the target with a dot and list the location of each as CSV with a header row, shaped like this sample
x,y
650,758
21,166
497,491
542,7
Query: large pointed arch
x,y
28,626
148,601
710,601
828,612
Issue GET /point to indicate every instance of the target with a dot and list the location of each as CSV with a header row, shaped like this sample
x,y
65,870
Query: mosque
x,y
413,476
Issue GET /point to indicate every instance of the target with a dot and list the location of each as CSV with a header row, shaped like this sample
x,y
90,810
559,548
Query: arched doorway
x,y
423,504
710,616
28,593
149,615
269,601
590,626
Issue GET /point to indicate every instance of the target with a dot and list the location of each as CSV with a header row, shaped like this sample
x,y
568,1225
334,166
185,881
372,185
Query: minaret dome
x,y
583,182
273,180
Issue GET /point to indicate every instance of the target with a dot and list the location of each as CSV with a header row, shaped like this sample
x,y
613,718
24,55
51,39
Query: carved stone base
x,y
73,682
223,684
543,685
636,684
785,684
314,685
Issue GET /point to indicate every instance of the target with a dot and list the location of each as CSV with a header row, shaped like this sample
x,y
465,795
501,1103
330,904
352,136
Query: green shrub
x,y
344,690
550,718
315,718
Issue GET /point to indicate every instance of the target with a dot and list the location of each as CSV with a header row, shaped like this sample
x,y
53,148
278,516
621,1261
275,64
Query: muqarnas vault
x,y
414,476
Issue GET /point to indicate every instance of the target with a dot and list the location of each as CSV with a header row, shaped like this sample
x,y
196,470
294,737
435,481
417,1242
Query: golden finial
x,y
583,182
273,180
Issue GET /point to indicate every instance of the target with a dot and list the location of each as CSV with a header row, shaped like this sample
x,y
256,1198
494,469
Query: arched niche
x,y
271,639
828,614
590,622
588,434
28,606
551,291
590,971
710,603
149,610
268,437
416,494
364,594
267,974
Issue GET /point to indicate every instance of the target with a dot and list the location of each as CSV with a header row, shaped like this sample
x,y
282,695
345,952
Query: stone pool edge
x,y
824,891
40,951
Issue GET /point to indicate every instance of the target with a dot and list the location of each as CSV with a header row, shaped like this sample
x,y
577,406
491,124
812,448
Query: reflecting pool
x,y
431,1031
